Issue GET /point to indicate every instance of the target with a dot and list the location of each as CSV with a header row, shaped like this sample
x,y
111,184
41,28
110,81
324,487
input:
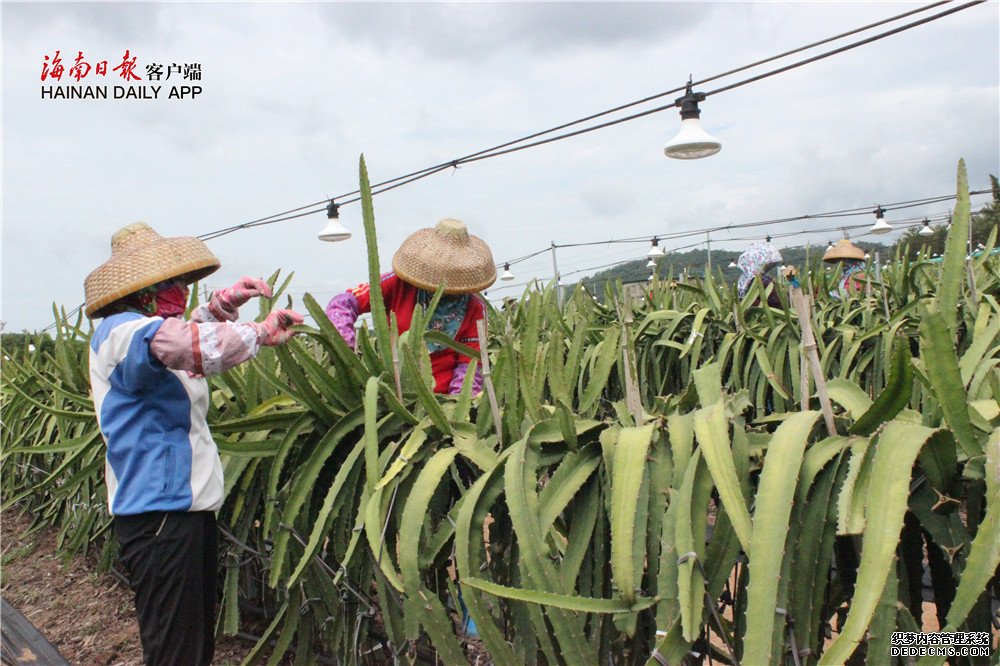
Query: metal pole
x,y
555,271
708,244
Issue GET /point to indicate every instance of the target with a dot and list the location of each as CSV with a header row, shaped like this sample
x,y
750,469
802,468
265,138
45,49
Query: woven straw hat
x,y
844,249
446,254
140,258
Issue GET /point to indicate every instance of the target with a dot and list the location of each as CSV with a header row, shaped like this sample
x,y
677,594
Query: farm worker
x,y
852,259
756,261
163,474
445,255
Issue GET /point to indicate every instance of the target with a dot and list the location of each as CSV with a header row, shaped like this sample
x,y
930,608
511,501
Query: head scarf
x,y
756,260
171,301
164,299
447,317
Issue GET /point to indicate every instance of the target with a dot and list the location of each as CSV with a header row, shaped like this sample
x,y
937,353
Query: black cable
x,y
738,84
247,225
645,239
511,146
848,47
672,91
847,212
454,163
899,225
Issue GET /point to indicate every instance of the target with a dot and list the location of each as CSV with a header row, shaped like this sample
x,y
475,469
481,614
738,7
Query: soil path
x,y
89,618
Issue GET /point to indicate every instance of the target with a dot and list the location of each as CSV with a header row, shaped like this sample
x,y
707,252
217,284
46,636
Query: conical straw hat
x,y
140,258
844,249
448,255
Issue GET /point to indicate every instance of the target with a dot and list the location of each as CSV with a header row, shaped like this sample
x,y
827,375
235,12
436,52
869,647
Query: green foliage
x,y
652,460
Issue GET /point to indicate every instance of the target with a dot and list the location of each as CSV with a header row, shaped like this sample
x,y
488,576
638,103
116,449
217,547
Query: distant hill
x,y
695,263
985,221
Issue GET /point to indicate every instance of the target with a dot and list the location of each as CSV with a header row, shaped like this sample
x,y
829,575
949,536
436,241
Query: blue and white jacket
x,y
161,455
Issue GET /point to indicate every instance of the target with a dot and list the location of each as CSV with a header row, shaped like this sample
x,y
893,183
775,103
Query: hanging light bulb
x,y
333,231
926,229
506,276
732,264
829,243
654,249
867,256
650,264
880,226
692,142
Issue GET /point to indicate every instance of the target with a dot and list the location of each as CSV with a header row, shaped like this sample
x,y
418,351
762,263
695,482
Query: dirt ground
x,y
88,617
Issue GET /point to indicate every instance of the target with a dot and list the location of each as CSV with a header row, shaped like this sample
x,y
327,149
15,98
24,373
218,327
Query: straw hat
x,y
844,249
140,258
446,255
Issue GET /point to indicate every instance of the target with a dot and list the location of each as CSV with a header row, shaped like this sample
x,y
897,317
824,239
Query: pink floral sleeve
x,y
461,370
204,348
343,311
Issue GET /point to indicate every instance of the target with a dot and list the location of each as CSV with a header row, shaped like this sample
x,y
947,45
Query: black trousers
x,y
171,561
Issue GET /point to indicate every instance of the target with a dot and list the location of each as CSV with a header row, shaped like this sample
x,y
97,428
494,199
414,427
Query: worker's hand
x,y
274,330
241,292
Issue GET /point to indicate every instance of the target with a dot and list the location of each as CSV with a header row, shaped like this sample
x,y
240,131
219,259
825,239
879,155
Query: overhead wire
x,y
901,205
847,212
848,47
519,144
899,225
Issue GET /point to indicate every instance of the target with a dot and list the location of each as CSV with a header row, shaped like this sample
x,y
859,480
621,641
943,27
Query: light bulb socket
x,y
333,210
689,104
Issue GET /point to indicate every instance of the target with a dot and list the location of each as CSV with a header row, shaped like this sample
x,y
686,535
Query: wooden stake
x,y
804,310
484,360
632,400
804,372
394,338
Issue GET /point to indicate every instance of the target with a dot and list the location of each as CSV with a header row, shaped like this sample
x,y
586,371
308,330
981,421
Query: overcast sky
x,y
293,94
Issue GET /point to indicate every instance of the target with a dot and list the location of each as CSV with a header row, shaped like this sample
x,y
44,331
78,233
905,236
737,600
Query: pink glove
x,y
245,289
274,330
225,303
